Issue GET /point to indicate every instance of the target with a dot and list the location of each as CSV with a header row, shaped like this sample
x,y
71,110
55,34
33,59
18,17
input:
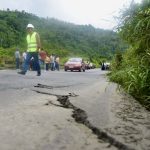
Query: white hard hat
x,y
30,26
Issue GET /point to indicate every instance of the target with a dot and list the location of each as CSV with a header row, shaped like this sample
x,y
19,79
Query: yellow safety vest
x,y
31,41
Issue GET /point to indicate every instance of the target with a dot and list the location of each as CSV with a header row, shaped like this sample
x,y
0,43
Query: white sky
x,y
99,13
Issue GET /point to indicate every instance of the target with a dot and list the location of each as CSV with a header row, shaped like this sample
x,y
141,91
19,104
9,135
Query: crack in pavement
x,y
50,87
80,116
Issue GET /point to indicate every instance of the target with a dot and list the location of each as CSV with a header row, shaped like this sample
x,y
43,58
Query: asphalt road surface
x,y
69,111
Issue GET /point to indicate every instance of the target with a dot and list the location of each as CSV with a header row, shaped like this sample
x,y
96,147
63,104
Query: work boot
x,y
22,73
38,73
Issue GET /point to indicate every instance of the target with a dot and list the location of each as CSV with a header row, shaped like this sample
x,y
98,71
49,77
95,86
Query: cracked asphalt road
x,y
34,116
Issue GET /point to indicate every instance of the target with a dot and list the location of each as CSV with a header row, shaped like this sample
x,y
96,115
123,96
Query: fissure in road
x,y
80,116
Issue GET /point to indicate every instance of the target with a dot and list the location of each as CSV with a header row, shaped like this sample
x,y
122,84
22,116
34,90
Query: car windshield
x,y
75,59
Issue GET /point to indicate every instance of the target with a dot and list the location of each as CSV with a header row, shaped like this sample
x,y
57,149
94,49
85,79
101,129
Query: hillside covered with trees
x,y
62,38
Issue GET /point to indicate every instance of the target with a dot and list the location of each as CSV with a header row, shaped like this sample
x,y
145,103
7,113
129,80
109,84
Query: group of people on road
x,y
19,58
35,56
47,62
50,62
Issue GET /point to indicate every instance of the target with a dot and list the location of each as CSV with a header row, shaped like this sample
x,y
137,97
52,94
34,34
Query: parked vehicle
x,y
89,65
105,66
75,64
92,66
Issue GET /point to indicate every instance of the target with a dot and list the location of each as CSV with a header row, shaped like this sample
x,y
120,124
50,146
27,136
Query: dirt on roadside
x,y
130,122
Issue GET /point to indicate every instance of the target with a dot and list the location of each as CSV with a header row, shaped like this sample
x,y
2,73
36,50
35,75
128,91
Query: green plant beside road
x,y
132,72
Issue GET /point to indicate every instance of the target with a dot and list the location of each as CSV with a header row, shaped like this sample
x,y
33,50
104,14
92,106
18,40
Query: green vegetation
x,y
132,69
61,38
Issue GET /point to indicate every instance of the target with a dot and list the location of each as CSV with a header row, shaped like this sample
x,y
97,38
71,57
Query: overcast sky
x,y
99,13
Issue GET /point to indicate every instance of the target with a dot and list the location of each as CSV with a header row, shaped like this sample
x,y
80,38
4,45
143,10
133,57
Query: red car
x,y
75,64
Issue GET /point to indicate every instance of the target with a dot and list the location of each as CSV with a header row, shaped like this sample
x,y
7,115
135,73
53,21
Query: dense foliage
x,y
132,70
64,39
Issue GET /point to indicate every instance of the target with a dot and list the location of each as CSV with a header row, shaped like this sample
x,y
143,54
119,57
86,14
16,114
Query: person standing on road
x,y
34,45
24,56
17,57
52,62
42,56
47,62
57,63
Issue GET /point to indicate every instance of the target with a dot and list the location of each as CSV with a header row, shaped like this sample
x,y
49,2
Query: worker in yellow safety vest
x,y
33,47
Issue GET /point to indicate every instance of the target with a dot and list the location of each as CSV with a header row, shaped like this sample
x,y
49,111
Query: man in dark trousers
x,y
34,45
